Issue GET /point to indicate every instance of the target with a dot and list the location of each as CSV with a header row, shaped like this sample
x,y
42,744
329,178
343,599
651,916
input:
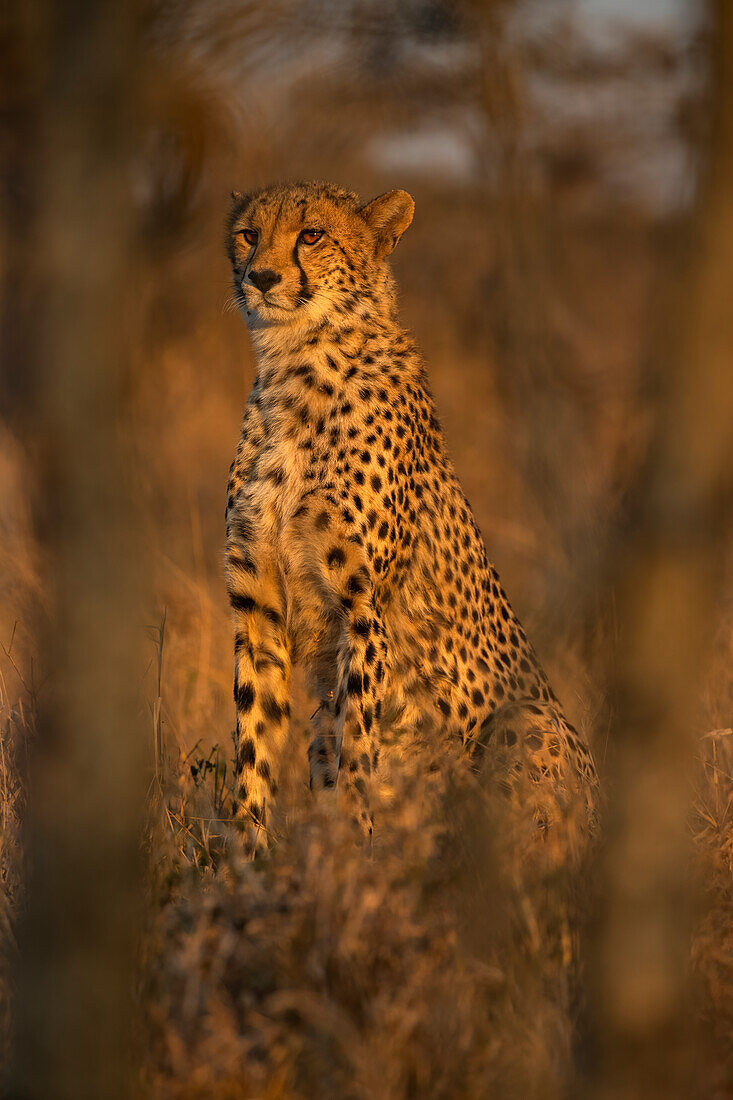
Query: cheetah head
x,y
302,252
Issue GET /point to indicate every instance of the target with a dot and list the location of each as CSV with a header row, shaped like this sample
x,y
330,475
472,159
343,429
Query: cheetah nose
x,y
264,279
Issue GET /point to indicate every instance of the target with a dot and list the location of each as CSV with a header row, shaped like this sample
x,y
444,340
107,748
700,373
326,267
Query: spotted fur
x,y
350,544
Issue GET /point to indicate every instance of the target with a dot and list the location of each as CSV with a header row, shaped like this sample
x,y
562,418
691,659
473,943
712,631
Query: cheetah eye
x,y
250,235
310,236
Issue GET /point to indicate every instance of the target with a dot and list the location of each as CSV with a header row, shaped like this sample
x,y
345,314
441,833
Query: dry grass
x,y
441,965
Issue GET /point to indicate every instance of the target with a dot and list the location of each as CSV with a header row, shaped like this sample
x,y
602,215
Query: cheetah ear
x,y
388,216
237,196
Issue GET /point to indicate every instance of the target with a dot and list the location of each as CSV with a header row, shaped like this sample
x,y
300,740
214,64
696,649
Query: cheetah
x,y
351,547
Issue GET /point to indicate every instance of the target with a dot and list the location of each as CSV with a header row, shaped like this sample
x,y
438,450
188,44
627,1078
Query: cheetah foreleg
x,y
362,663
261,686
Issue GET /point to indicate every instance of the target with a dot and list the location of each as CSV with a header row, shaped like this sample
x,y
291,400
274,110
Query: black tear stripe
x,y
305,292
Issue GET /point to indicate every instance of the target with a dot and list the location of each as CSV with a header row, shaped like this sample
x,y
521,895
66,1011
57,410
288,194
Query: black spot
x,y
355,584
336,556
272,709
241,603
247,753
244,696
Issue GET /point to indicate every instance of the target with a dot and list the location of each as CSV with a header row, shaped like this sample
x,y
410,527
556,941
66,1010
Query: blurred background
x,y
566,276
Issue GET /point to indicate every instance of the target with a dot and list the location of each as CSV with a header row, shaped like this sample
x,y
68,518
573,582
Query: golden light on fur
x,y
350,544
